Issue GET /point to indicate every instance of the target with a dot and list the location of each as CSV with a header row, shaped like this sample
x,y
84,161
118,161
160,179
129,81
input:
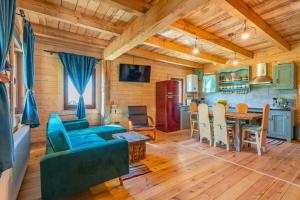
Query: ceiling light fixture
x,y
246,32
235,62
195,49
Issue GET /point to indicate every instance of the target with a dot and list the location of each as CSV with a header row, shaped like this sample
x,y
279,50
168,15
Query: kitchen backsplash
x,y
258,97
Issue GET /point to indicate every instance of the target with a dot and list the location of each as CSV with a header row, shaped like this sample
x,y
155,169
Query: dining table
x,y
238,118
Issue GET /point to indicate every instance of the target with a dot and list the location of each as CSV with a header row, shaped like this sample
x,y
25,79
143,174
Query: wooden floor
x,y
182,168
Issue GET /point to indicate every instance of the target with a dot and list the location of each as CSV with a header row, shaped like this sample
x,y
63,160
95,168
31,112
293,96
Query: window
x,y
180,89
71,95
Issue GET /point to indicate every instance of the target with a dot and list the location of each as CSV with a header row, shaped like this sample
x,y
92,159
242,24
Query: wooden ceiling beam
x,y
164,58
70,16
243,11
68,37
157,18
194,31
138,7
157,42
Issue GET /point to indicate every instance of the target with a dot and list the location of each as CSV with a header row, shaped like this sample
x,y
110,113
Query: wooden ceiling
x,y
157,27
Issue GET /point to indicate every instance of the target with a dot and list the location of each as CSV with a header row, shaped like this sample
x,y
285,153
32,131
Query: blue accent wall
x,y
257,97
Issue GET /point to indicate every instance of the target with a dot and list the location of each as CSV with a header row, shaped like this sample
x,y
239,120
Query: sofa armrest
x,y
76,124
67,172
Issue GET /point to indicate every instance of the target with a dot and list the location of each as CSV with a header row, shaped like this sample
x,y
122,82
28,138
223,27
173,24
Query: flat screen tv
x,y
134,73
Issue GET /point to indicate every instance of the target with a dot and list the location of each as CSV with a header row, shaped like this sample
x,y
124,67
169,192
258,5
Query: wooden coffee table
x,y
137,144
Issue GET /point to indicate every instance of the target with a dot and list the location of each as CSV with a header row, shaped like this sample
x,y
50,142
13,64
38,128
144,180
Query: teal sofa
x,y
78,157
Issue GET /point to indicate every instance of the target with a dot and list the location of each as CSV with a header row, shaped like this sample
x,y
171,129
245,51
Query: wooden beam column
x,y
157,42
159,17
192,30
241,10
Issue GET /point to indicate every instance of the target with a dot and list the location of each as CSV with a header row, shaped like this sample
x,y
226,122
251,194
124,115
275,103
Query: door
x,y
209,83
277,125
284,76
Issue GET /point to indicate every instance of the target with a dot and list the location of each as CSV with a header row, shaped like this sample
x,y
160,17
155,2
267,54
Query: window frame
x,y
73,107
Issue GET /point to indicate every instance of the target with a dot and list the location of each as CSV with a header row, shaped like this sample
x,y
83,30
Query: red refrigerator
x,y
167,106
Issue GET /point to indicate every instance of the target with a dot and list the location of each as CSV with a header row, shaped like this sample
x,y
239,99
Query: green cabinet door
x,y
284,76
209,83
281,124
199,73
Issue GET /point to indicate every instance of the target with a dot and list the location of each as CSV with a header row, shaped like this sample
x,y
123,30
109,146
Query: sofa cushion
x,y
76,124
57,135
103,131
85,140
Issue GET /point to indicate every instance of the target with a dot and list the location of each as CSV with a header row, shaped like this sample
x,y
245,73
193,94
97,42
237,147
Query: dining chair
x,y
204,124
194,118
221,128
242,108
259,132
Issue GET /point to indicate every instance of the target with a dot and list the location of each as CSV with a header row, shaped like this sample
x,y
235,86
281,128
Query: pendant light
x,y
195,49
235,62
246,32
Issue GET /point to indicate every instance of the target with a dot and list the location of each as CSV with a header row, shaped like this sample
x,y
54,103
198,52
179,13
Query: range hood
x,y
262,76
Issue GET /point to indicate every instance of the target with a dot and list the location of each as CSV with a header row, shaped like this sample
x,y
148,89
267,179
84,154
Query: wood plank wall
x,y
49,84
271,56
125,93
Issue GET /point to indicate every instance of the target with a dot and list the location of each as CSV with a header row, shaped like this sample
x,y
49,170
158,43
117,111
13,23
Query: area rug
x,y
135,170
272,141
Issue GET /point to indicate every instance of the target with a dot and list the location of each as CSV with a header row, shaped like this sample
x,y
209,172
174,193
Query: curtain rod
x,y
22,14
55,52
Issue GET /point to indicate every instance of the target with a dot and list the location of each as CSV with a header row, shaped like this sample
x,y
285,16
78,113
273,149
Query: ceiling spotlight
x,y
195,50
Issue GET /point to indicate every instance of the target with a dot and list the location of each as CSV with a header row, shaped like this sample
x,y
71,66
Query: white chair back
x,y
220,125
204,124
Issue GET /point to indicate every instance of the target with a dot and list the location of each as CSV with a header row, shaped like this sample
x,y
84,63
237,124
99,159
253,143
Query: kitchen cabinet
x,y
281,124
235,80
184,117
192,83
209,84
284,76
199,73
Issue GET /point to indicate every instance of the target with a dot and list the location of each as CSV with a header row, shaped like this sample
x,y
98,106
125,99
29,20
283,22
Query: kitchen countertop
x,y
253,108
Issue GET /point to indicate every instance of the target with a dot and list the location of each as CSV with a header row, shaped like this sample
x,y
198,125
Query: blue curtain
x,y
30,114
7,21
80,69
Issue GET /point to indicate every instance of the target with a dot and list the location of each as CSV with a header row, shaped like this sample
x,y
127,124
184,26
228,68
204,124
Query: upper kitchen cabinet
x,y
192,83
284,76
209,83
199,73
235,80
